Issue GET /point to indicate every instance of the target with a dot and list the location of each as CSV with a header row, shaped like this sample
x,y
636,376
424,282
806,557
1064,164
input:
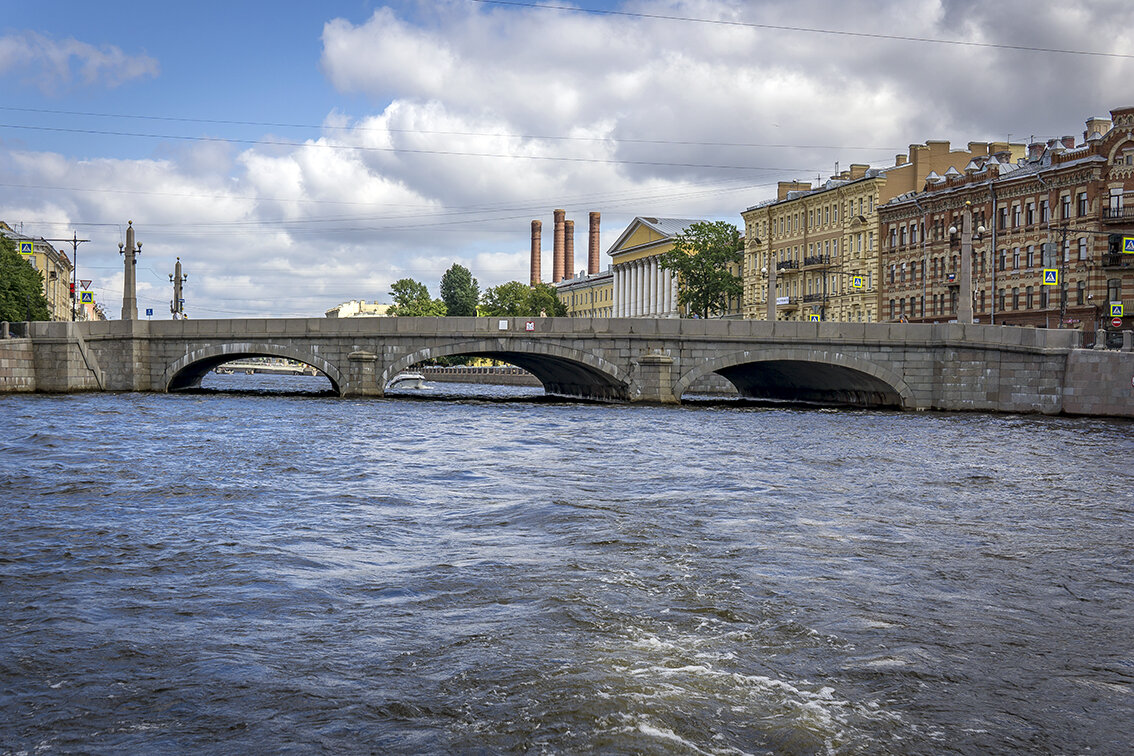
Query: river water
x,y
254,572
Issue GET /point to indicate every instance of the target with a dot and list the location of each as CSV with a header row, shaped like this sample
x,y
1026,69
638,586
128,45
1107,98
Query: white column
x,y
667,299
639,283
616,283
633,289
672,294
655,289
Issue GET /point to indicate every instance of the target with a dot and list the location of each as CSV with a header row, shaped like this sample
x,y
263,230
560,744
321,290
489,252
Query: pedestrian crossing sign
x,y
1128,245
86,297
27,247
813,317
856,282
1116,309
1050,276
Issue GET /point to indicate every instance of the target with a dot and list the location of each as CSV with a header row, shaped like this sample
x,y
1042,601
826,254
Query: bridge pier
x,y
655,377
362,375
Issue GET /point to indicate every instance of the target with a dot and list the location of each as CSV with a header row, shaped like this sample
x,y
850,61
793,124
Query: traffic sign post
x,y
86,297
857,282
26,248
813,317
1116,322
1116,309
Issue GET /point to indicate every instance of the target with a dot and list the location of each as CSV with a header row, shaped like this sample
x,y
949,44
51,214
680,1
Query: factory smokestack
x,y
569,249
593,249
537,252
557,250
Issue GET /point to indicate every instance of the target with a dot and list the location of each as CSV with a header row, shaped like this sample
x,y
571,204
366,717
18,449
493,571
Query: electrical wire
x,y
805,29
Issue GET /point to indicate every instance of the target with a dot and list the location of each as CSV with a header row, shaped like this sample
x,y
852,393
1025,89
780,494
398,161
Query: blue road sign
x,y
27,247
1116,309
149,312
1050,276
1128,245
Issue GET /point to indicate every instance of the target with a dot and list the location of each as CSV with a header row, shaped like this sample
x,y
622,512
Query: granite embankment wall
x,y
17,365
1099,383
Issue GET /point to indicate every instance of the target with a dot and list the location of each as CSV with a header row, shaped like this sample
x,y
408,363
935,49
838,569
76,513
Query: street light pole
x,y
75,242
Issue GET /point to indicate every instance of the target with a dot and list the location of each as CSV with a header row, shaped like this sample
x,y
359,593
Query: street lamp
x,y
965,296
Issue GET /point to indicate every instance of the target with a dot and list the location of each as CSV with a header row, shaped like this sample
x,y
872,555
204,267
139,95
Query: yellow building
x,y
822,243
53,265
642,288
587,296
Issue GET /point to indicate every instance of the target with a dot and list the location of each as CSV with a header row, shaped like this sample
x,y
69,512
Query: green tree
x,y
514,299
412,300
506,300
460,291
700,258
542,300
21,287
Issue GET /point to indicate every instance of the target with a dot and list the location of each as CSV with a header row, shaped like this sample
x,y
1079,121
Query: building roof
x,y
667,227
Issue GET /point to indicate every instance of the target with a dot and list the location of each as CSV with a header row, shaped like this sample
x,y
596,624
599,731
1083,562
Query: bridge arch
x,y
560,369
805,375
188,370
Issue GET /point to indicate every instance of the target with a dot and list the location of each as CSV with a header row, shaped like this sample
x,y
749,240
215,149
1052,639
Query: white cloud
x,y
456,155
54,65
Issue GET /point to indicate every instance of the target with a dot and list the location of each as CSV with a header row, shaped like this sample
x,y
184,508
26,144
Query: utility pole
x,y
1063,255
75,242
177,306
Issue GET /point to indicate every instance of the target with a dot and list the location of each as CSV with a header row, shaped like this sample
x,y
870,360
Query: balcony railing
x,y
812,297
787,265
1118,213
1117,260
816,260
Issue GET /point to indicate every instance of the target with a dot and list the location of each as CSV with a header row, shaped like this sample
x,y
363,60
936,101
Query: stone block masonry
x,y
913,367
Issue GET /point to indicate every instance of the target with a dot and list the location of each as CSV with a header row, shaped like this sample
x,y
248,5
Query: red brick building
x,y
1064,199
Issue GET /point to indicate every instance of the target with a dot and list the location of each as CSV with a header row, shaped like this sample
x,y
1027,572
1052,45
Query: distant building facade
x,y
586,295
55,267
821,243
1055,209
357,308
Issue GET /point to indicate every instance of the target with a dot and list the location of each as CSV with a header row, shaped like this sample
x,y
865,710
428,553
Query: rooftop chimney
x,y
557,249
593,249
537,252
1068,142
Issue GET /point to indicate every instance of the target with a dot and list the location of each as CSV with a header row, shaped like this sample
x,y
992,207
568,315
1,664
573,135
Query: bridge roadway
x,y
908,366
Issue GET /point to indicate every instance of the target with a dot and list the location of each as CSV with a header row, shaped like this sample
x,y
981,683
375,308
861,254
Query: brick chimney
x,y
537,252
557,248
593,249
569,249
1068,142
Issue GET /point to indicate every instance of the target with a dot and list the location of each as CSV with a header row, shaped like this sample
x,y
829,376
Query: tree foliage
x,y
411,300
459,291
700,258
514,299
21,287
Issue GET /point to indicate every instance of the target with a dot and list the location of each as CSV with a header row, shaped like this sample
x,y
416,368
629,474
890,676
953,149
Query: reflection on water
x,y
222,572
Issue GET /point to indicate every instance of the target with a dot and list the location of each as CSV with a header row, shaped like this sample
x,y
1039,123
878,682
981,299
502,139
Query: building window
x,y
1029,300
1001,297
1081,293
1031,256
1003,259
1002,221
1015,297
1045,211
1016,216
1029,214
1065,206
1083,248
1082,204
1114,289
1043,298
1015,258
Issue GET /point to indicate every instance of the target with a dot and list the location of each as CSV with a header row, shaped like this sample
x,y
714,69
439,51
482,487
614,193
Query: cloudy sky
x,y
296,155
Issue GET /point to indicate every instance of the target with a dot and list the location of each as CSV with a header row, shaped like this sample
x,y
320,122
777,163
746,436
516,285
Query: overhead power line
x,y
402,150
807,29
431,132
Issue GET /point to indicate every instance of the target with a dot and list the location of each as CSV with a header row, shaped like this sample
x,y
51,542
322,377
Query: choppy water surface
x,y
251,573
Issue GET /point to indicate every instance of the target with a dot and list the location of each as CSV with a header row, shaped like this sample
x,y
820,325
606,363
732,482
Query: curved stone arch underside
x,y
561,370
188,370
806,375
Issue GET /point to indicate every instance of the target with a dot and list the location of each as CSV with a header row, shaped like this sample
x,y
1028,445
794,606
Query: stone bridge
x,y
907,366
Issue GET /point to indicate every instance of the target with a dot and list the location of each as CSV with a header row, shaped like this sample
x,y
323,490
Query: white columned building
x,y
642,288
